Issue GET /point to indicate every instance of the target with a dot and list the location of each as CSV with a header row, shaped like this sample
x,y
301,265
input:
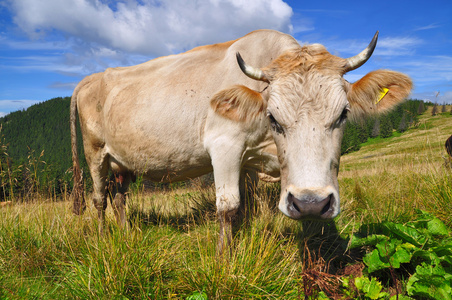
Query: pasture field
x,y
169,248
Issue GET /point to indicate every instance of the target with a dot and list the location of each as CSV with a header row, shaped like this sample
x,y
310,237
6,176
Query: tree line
x,y
35,145
35,150
403,117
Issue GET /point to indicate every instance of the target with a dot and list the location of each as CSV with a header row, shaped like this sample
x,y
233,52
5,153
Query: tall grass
x,y
48,253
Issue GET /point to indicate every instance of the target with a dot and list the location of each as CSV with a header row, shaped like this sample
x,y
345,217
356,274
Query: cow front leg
x,y
225,236
227,176
227,206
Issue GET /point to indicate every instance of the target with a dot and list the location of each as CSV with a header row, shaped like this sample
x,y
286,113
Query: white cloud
x,y
428,27
63,85
33,45
441,98
398,46
438,68
46,63
91,35
386,46
445,97
151,27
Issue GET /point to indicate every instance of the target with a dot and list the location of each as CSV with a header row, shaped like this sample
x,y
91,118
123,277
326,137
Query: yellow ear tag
x,y
383,93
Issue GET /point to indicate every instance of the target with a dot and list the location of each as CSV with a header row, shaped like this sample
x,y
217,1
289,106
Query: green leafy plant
x,y
430,281
423,245
370,287
197,296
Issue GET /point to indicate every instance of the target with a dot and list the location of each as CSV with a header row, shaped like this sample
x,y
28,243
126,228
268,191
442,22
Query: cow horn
x,y
358,60
251,72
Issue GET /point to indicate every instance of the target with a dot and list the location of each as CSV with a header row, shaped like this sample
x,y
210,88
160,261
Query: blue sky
x,y
48,46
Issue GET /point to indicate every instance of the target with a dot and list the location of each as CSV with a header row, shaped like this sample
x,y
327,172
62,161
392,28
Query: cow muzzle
x,y
316,203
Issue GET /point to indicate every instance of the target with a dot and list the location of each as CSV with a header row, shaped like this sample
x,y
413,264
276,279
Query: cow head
x,y
306,104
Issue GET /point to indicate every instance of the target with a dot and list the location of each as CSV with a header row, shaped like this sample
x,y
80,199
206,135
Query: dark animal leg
x,y
122,182
225,237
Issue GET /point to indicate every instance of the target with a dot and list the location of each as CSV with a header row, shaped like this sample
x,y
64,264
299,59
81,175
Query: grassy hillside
x,y
400,173
169,250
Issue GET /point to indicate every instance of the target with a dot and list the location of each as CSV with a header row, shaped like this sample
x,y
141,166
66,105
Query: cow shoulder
x,y
378,92
238,103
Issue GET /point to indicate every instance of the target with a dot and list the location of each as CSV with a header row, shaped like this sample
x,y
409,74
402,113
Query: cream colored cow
x,y
182,116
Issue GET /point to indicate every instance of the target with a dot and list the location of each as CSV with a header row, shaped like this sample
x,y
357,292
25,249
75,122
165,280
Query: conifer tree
x,y
376,128
403,124
434,110
385,127
421,108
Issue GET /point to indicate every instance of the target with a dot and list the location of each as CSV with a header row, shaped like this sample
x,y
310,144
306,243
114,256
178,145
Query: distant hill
x,y
35,146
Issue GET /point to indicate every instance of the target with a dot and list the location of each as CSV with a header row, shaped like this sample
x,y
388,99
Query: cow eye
x,y
343,116
275,125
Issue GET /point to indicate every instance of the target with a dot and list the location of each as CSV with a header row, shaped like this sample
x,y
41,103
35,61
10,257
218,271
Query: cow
x,y
223,108
448,146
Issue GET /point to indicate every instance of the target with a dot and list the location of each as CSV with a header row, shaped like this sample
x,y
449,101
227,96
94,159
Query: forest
x,y
35,153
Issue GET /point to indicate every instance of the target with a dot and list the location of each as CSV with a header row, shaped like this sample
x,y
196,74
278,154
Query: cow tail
x,y
77,195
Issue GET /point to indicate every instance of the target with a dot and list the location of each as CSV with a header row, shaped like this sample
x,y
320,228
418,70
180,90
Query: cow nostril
x,y
292,201
327,206
296,207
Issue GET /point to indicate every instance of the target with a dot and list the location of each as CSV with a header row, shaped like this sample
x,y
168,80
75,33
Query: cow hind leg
x,y
121,183
99,173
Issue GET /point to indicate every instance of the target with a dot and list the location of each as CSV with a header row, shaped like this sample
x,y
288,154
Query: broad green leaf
x,y
374,261
430,281
442,250
436,227
387,248
370,240
371,288
430,270
405,233
388,254
401,256
432,224
422,217
374,290
428,256
197,296
360,282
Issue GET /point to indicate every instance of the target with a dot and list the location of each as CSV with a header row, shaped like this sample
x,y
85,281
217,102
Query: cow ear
x,y
238,103
378,92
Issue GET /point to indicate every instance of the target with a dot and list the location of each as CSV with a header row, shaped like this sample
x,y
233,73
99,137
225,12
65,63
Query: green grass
x,y
169,249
